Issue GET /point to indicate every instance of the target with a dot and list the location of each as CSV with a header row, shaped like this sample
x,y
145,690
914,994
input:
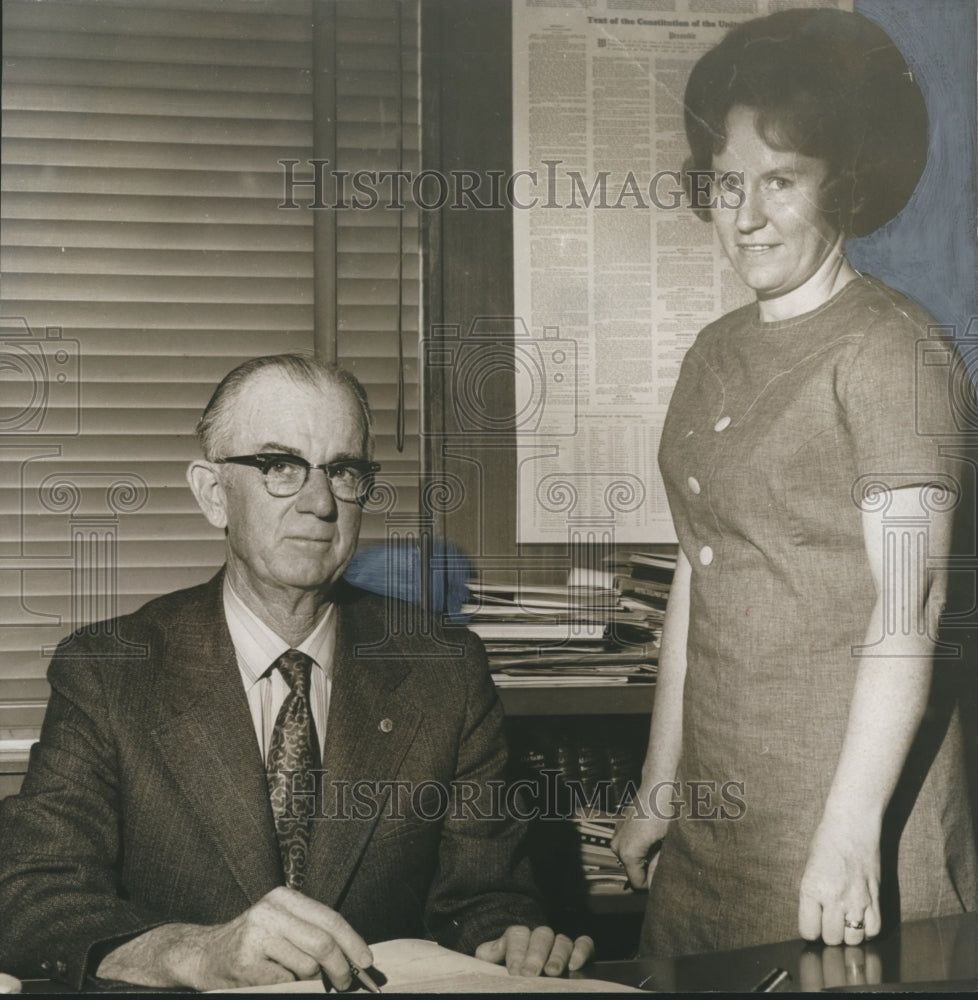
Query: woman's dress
x,y
774,433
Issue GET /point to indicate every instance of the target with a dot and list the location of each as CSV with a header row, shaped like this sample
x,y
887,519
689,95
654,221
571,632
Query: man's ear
x,y
205,482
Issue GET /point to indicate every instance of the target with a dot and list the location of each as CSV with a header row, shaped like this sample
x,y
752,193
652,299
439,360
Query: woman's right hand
x,y
636,842
644,821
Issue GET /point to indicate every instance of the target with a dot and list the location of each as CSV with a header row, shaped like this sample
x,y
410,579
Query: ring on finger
x,y
854,925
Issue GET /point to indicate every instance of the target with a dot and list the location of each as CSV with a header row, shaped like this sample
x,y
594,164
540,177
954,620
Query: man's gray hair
x,y
216,425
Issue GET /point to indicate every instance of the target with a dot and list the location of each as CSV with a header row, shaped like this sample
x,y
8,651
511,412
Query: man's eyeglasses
x,y
285,475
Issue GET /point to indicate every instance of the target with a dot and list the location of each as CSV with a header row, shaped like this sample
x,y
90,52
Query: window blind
x,y
144,254
378,129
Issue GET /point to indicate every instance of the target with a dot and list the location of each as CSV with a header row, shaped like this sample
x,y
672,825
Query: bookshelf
x,y
613,699
575,666
590,713
617,904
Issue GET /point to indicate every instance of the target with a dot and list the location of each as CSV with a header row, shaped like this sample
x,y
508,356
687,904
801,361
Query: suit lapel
x,y
371,725
210,748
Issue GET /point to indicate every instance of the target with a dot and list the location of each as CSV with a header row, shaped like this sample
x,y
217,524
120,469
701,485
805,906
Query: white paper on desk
x,y
415,966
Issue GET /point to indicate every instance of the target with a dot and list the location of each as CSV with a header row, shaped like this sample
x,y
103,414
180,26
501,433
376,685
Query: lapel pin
x,y
385,725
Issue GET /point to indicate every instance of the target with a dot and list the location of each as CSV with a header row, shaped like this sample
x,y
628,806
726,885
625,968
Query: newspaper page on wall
x,y
614,274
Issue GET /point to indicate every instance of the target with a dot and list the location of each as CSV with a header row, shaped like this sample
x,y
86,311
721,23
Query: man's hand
x,y
8,984
527,953
283,937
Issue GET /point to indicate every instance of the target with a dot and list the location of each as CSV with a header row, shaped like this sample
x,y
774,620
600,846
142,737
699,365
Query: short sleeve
x,y
897,394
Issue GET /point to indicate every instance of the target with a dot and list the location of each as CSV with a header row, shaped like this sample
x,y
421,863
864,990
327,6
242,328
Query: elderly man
x,y
186,819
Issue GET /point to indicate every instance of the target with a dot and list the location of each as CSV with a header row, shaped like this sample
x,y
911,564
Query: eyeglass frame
x,y
263,461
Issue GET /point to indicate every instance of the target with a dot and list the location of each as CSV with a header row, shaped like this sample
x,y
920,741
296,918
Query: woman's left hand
x,y
839,898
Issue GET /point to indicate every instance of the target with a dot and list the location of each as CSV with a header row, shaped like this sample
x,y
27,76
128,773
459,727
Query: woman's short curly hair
x,y
825,83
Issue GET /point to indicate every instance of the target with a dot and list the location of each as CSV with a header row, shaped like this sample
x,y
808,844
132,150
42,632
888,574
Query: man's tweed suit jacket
x,y
146,798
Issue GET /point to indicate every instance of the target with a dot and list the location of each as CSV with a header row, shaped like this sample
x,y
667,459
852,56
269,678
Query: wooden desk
x,y
936,954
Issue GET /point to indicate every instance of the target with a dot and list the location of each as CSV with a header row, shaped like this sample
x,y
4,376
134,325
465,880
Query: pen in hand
x,y
358,975
364,978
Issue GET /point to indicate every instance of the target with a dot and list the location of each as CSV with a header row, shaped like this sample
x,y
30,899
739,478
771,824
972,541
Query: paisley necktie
x,y
292,757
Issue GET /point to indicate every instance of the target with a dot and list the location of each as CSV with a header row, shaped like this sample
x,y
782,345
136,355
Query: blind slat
x,y
257,132
158,289
169,156
292,8
148,103
130,234
135,50
161,25
231,263
160,183
149,208
159,75
162,315
163,342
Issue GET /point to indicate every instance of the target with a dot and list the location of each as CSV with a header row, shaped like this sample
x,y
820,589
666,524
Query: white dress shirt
x,y
257,647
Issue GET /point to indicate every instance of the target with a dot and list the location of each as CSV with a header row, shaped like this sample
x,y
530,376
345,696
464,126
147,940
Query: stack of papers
x,y
563,635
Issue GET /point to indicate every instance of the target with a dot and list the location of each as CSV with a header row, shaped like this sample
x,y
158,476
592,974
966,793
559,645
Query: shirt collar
x,y
258,647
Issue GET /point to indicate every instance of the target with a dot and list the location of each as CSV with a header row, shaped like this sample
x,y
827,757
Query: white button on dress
x,y
706,555
694,484
722,424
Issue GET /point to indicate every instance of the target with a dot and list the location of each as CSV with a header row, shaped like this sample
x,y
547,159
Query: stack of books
x,y
647,582
602,872
563,635
597,771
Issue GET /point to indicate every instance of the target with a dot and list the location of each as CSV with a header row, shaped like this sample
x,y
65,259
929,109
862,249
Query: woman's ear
x,y
205,482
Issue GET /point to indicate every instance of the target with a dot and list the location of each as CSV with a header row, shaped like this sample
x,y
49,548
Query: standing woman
x,y
798,653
